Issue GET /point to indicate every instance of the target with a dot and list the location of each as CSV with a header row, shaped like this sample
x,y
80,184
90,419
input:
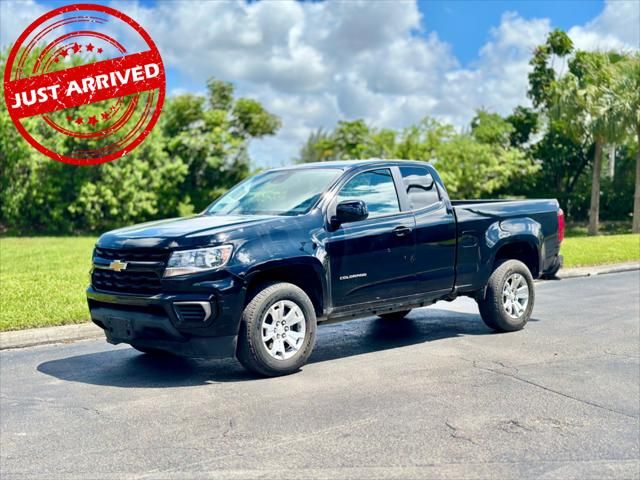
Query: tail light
x,y
560,225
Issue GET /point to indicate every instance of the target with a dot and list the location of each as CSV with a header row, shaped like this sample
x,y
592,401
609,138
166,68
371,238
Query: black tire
x,y
252,351
153,351
494,310
395,315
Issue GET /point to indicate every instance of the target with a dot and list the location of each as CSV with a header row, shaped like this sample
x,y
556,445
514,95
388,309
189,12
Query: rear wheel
x,y
509,298
395,315
278,330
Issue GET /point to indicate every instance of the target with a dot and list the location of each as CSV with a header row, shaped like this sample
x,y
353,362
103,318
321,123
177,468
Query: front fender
x,y
306,262
286,255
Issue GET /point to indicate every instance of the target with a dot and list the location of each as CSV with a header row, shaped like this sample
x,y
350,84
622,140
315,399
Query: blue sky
x,y
465,24
390,63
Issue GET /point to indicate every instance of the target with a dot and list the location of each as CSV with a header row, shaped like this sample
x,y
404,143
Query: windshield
x,y
283,192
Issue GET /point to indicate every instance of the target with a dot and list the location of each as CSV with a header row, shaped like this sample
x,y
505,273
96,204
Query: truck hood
x,y
178,232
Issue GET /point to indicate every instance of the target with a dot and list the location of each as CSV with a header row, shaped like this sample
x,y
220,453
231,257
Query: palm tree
x,y
626,87
587,104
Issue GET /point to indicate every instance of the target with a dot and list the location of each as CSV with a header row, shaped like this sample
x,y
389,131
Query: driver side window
x,y
376,189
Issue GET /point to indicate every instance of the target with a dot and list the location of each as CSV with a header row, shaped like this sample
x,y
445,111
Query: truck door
x,y
435,231
372,259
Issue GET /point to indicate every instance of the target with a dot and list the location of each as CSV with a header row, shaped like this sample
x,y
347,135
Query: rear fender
x,y
513,231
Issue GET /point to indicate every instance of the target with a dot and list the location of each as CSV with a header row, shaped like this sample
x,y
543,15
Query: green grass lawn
x,y
42,279
601,250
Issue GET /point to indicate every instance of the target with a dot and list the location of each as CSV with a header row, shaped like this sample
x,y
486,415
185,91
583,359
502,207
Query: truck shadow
x,y
127,368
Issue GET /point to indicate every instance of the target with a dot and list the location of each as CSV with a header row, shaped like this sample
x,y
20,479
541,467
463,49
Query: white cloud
x,y
310,63
314,63
617,27
497,80
15,16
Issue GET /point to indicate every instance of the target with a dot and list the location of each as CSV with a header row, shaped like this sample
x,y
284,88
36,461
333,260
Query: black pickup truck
x,y
254,274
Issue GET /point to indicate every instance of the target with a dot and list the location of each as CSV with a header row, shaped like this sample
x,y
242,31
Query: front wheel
x,y
278,330
508,302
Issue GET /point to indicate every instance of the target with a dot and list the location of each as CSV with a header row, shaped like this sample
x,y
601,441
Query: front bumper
x,y
152,322
153,331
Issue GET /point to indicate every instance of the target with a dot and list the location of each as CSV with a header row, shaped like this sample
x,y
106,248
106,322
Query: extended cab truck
x,y
253,274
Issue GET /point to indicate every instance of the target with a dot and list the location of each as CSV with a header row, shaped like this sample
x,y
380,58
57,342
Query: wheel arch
x,y
304,272
516,239
523,249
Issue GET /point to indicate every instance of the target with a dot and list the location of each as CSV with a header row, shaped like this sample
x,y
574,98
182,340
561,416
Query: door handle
x,y
401,231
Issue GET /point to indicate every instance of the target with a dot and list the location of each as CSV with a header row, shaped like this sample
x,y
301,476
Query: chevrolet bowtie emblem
x,y
118,266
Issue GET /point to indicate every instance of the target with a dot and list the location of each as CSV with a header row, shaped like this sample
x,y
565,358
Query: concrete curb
x,y
42,336
71,333
599,270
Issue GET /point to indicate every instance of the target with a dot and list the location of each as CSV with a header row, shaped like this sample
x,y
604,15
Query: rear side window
x,y
421,189
376,189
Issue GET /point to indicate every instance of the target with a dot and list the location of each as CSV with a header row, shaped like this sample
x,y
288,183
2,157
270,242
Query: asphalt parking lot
x,y
435,396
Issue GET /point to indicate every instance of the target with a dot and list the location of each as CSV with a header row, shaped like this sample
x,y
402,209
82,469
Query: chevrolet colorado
x,y
287,249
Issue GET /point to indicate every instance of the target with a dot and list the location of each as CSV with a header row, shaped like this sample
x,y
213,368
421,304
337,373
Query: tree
x,y
211,135
482,162
311,151
472,164
525,122
472,169
423,140
626,87
490,128
350,140
580,101
562,160
585,101
543,75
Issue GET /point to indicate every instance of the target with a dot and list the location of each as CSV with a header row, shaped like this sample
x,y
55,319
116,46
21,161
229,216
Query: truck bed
x,y
482,223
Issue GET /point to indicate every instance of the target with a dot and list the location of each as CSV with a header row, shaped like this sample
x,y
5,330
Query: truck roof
x,y
348,164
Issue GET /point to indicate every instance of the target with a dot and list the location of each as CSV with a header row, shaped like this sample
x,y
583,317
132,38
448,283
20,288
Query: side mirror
x,y
350,211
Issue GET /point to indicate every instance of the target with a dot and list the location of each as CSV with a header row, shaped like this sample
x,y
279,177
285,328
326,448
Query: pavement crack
x,y
92,410
457,433
551,390
514,426
232,425
508,367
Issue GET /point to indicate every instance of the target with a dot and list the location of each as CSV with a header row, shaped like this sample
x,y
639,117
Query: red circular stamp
x,y
84,84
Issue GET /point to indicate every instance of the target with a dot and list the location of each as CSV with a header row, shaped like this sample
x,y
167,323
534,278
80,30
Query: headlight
x,y
200,260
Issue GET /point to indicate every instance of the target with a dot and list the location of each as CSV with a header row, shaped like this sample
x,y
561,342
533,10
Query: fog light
x,y
192,312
